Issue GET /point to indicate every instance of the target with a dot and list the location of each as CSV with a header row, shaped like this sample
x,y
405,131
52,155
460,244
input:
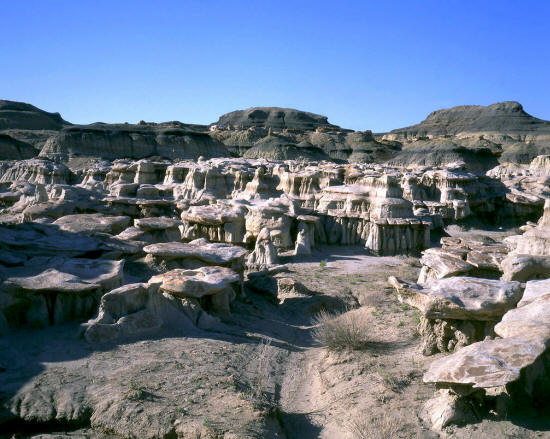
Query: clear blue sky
x,y
365,64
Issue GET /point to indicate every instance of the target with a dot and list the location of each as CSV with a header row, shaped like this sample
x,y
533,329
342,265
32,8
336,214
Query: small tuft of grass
x,y
323,263
384,426
135,392
344,332
393,382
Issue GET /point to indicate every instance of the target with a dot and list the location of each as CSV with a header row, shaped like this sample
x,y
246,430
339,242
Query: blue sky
x,y
365,64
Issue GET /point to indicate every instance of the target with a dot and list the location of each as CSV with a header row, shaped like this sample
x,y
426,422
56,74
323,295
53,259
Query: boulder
x,y
520,267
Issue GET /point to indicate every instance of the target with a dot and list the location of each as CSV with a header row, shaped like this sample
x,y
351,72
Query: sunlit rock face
x,y
230,200
459,310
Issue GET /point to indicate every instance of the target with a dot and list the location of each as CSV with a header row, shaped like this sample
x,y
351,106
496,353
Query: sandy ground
x,y
260,376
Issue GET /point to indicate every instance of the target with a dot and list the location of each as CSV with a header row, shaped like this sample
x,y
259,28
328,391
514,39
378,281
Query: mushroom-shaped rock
x,y
196,284
216,222
457,311
157,223
67,290
122,311
487,364
193,255
463,298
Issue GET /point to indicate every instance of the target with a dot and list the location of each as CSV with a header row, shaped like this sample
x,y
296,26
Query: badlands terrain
x,y
272,275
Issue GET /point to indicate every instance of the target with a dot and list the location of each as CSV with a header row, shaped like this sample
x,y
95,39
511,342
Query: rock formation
x,y
149,230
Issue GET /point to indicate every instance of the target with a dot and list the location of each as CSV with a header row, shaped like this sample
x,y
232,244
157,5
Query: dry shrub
x,y
336,333
384,426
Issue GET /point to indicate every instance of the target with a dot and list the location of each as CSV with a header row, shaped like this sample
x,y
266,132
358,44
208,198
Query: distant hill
x,y
479,135
504,126
273,117
22,116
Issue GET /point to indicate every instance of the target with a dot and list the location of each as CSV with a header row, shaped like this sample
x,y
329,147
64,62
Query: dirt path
x,y
309,405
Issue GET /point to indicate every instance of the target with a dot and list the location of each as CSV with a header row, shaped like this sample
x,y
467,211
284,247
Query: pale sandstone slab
x,y
195,283
487,364
92,223
461,298
212,253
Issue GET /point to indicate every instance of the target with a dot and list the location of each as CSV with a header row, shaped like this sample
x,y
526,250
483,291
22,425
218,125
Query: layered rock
x,y
520,135
530,255
111,141
176,298
51,291
196,254
457,311
511,370
478,257
264,254
221,222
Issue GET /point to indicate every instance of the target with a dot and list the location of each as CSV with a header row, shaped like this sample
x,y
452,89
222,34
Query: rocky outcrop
x,y
176,298
503,125
131,141
13,149
457,311
24,129
506,371
36,171
530,253
196,254
92,223
264,254
47,292
478,257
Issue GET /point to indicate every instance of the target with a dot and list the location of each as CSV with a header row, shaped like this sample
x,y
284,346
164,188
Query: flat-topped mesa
x,y
505,118
457,311
114,141
273,117
478,132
